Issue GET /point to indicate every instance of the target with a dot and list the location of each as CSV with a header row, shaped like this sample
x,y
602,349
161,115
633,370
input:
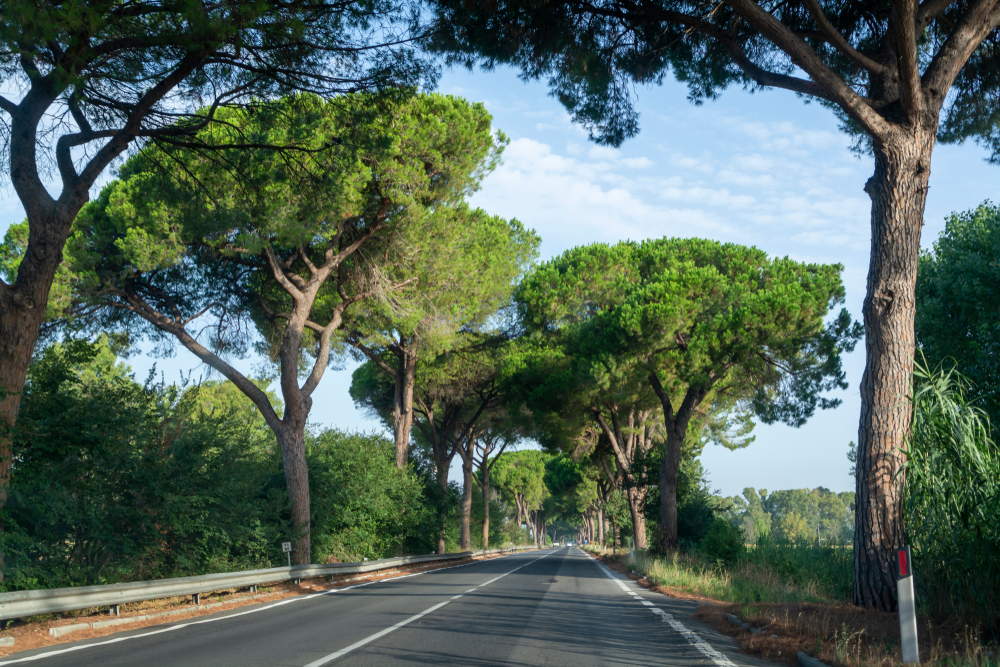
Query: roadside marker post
x,y
287,548
907,607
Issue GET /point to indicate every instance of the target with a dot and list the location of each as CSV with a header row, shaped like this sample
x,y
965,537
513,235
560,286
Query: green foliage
x,y
115,480
464,264
595,57
958,303
120,481
723,542
953,500
795,515
521,475
767,571
700,314
362,505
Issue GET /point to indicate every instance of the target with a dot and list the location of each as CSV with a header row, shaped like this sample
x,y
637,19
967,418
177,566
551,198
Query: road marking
x,y
693,638
213,619
382,633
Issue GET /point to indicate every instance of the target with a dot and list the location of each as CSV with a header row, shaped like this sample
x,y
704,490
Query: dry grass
x,y
843,635
799,617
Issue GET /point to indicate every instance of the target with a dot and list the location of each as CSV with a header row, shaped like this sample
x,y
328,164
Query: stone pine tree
x,y
241,247
899,74
466,262
680,324
84,80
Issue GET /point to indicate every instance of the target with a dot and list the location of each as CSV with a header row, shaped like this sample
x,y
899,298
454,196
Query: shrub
x,y
723,542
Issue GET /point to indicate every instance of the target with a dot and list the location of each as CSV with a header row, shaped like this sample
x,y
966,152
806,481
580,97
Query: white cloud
x,y
774,192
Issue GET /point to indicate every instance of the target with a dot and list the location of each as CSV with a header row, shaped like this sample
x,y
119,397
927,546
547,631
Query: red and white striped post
x,y
907,607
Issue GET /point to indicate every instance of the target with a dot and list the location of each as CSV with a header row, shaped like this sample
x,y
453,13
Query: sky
x,y
765,170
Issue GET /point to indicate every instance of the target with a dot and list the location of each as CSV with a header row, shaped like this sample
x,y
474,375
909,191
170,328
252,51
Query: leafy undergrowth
x,y
800,608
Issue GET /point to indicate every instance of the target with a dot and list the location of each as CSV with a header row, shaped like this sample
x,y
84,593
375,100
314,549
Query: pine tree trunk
x,y
669,469
466,535
486,507
600,526
442,476
402,409
636,505
898,190
293,458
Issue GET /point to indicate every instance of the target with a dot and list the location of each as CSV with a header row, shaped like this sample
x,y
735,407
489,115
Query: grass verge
x,y
799,609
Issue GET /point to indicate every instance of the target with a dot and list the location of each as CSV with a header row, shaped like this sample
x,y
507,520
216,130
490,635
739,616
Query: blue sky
x,y
764,170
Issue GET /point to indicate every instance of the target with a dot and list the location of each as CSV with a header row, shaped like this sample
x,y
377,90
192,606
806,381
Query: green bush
x,y
723,542
362,505
116,481
119,481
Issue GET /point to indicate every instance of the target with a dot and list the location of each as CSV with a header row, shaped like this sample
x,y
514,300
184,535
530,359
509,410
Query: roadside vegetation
x,y
576,394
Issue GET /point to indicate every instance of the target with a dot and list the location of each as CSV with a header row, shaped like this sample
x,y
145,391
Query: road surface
x,y
557,607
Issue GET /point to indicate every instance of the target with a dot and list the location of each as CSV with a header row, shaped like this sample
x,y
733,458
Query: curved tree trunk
x,y
22,311
898,190
293,458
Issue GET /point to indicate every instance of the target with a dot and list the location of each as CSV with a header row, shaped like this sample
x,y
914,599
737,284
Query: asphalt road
x,y
554,607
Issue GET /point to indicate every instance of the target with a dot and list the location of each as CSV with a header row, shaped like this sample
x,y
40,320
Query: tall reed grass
x,y
953,502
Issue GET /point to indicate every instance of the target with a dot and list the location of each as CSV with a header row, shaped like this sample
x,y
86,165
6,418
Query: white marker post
x,y
907,608
287,548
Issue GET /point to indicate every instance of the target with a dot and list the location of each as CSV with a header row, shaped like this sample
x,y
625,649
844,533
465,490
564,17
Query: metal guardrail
x,y
53,600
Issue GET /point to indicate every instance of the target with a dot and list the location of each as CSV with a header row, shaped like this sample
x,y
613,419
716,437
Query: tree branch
x,y
904,22
834,37
279,274
805,57
929,10
139,306
974,26
612,438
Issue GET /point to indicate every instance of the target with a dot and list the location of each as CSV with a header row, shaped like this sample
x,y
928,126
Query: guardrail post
x,y
196,598
907,607
253,588
114,610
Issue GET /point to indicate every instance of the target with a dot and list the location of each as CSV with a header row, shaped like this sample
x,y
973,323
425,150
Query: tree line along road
x,y
553,607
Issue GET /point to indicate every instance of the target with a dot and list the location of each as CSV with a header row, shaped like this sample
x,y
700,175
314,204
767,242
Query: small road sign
x,y
287,548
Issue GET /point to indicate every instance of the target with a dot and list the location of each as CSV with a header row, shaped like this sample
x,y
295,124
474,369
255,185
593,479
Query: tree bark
x,y
898,190
293,458
636,504
676,426
466,533
442,477
669,470
600,526
486,506
402,411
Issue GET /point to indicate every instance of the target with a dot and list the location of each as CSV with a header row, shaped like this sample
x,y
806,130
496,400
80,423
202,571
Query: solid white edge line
x,y
693,638
382,633
213,619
